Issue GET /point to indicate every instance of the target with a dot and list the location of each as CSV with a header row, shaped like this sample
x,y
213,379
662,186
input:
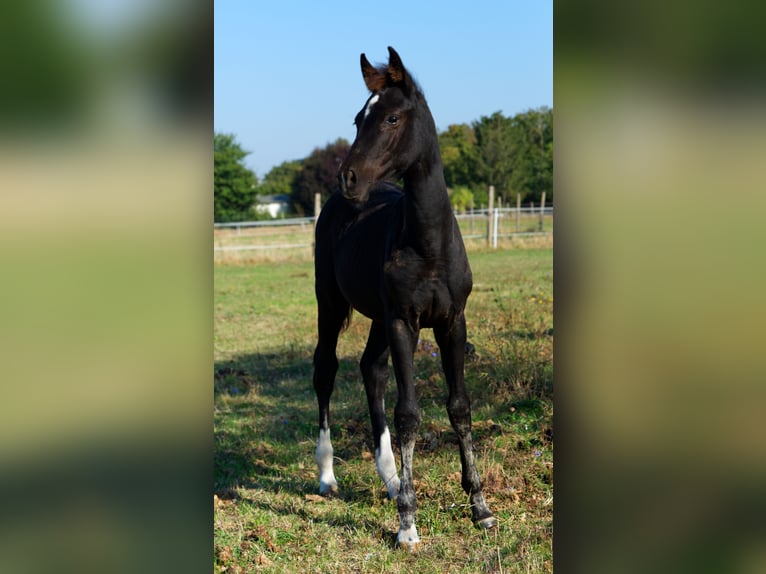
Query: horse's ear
x,y
397,74
373,79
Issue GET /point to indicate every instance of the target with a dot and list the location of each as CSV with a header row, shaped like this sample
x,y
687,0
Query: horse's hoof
x,y
408,546
408,539
487,523
328,490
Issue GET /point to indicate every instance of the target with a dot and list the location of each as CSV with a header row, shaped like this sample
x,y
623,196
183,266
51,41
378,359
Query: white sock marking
x,y
323,458
372,101
386,465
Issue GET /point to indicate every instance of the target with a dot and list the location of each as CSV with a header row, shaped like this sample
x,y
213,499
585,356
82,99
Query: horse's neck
x,y
428,212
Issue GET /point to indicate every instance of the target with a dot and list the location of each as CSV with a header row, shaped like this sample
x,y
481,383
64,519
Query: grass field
x,y
268,515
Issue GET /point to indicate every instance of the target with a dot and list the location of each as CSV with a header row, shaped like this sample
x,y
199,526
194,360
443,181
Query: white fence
x,y
299,227
238,225
506,222
298,232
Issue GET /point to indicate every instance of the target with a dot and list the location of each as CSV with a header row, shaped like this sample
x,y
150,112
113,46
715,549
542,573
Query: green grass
x,y
268,516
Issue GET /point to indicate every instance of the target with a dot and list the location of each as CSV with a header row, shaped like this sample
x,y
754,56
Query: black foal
x,y
397,256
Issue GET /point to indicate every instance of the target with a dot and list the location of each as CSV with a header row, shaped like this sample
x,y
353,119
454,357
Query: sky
x,y
288,80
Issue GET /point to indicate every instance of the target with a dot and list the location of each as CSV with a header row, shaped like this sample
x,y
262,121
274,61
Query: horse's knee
x,y
373,370
407,420
459,411
325,360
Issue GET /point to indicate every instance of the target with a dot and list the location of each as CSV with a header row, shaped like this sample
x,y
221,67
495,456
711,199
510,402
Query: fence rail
x,y
266,223
310,220
298,232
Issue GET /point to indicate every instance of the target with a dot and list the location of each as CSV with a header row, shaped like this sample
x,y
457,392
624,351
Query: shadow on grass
x,y
266,418
265,433
266,422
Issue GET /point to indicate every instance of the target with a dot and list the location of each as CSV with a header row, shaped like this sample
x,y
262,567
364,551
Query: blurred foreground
x,y
105,211
659,175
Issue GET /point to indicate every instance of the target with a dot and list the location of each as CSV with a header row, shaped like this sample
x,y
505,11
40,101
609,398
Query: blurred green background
x,y
105,297
659,177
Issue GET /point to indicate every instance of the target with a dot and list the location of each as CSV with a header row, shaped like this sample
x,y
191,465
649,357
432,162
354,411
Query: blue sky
x,y
287,76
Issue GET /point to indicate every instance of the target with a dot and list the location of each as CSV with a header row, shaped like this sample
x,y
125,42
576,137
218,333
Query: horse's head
x,y
387,134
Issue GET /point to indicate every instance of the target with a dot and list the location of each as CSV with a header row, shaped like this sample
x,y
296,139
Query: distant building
x,y
274,205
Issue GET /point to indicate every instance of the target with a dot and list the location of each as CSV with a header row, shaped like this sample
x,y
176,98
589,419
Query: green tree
x,y
234,185
319,174
461,198
496,144
515,155
532,164
459,155
281,180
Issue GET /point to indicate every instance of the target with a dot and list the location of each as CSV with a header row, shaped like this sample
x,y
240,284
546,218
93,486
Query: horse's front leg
x,y
451,339
403,339
330,320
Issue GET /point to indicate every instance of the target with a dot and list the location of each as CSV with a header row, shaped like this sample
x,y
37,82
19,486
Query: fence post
x,y
542,212
490,215
494,228
518,211
317,210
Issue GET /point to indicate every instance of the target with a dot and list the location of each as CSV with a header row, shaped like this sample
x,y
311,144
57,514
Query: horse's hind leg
x,y
374,366
331,316
451,340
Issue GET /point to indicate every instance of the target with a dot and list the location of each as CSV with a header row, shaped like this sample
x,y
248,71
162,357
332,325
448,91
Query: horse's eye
x,y
392,120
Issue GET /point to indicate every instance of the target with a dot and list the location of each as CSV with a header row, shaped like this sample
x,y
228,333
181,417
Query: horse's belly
x,y
359,278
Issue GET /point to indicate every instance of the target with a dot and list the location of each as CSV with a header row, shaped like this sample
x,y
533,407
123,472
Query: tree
x,y
515,154
319,174
532,172
233,183
459,155
496,145
461,199
281,180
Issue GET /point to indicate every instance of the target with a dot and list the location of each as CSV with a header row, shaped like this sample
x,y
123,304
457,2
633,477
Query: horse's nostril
x,y
346,180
